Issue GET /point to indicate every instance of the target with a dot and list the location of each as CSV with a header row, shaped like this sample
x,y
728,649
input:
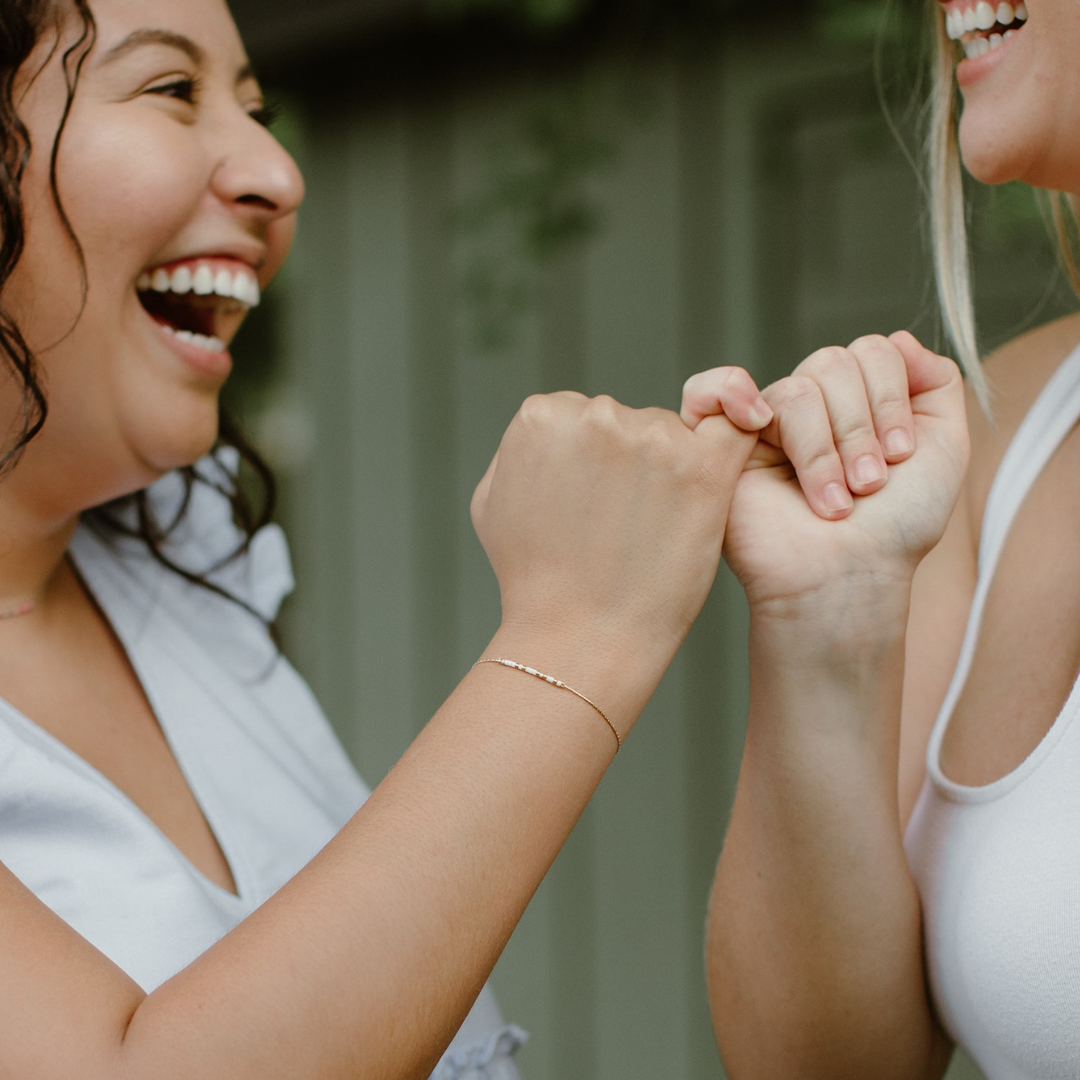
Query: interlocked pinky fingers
x,y
725,391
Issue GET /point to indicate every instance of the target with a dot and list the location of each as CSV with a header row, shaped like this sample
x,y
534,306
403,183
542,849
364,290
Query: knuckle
x,y
828,361
891,401
535,409
796,393
602,412
731,377
697,383
855,431
873,343
821,462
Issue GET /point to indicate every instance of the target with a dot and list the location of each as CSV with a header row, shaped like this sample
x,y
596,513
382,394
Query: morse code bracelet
x,y
556,683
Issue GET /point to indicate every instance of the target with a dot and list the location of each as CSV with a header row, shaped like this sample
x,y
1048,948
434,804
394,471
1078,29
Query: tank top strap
x,y
1050,419
1053,415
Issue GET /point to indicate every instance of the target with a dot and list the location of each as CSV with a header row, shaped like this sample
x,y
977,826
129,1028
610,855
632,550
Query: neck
x,y
30,559
34,539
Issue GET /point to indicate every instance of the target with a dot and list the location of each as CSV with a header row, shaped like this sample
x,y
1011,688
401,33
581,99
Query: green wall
x,y
734,200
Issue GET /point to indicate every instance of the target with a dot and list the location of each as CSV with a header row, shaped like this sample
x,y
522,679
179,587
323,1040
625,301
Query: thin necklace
x,y
15,612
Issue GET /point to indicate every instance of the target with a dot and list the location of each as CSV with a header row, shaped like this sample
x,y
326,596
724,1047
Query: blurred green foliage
x,y
535,202
846,19
538,194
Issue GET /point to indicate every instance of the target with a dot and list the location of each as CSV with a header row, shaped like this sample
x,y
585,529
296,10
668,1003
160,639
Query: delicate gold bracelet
x,y
557,683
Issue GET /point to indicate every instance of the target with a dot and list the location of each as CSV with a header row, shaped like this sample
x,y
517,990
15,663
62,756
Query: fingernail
x,y
868,470
898,442
760,413
837,498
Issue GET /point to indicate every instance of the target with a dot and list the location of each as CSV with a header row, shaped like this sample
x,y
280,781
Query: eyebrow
x,y
170,39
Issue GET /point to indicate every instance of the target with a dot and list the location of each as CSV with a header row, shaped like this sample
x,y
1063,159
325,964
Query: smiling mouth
x,y
982,27
201,302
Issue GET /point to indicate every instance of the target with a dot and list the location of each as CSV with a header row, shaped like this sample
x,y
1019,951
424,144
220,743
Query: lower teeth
x,y
980,46
201,341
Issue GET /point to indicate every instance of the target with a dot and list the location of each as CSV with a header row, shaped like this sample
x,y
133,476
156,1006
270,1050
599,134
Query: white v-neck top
x,y
998,866
257,751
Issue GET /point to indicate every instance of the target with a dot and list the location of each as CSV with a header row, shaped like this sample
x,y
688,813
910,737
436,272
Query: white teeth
x,y
202,283
1009,34
995,41
1021,11
223,284
1006,13
247,290
985,15
954,25
970,25
201,341
181,280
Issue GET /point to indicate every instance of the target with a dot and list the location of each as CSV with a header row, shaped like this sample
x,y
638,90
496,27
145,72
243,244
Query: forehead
x,y
208,23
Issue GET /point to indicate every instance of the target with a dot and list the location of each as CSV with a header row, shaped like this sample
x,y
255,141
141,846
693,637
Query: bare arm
x,y
367,962
815,951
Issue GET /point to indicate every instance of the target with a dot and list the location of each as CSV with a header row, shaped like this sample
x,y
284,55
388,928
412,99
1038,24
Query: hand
x,y
857,474
609,521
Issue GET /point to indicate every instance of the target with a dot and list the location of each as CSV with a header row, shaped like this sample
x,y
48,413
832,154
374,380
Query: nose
x,y
256,175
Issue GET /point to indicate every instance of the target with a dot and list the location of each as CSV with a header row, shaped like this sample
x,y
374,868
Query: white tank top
x,y
257,751
998,866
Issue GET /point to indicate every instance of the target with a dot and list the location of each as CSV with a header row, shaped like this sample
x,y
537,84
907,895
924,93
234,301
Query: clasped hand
x,y
611,520
856,475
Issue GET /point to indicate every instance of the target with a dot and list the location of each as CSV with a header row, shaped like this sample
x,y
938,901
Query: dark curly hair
x,y
22,24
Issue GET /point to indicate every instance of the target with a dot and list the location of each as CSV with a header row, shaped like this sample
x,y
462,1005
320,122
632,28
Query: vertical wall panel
x,y
632,307
711,251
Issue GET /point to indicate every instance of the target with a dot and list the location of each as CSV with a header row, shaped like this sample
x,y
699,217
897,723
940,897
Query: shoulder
x,y
1017,374
946,580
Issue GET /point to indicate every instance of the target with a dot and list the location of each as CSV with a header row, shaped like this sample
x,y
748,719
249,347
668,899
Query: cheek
x,y
279,239
1022,122
128,189
1004,135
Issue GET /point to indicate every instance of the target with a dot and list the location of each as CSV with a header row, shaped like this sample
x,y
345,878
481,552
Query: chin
x,y
992,160
177,441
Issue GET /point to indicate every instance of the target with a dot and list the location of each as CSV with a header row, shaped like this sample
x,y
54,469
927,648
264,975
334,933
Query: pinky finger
x,y
725,391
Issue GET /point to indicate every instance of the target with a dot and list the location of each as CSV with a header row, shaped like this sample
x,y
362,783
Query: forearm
x,y
815,961
365,965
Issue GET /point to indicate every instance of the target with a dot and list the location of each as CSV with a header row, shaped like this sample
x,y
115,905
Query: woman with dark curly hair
x,y
193,882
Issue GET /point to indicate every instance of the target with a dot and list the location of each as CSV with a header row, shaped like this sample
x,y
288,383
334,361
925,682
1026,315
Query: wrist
x,y
850,618
829,679
615,672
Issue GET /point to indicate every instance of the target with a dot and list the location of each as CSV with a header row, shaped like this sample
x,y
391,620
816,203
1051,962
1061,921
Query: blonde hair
x,y
948,221
952,263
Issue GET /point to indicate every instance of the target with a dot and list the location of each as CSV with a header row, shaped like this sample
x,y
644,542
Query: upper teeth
x,y
984,16
203,282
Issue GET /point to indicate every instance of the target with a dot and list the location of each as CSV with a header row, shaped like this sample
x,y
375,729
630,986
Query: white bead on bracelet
x,y
556,683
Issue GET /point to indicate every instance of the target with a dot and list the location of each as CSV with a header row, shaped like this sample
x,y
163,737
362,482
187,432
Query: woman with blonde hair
x,y
901,872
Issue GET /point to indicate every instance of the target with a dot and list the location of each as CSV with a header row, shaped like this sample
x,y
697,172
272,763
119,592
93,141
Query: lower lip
x,y
210,365
969,72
